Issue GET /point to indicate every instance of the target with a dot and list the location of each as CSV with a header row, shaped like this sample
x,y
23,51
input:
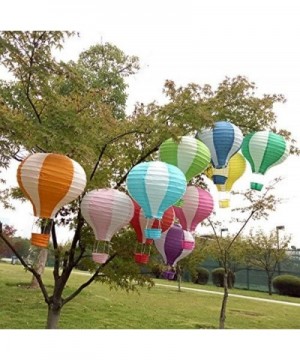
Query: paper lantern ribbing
x,y
263,150
197,205
175,244
139,223
236,168
223,141
155,186
106,211
49,181
190,155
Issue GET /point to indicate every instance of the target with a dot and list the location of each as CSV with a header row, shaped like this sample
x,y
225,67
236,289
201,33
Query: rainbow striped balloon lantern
x,y
197,205
155,186
263,150
223,141
106,211
49,181
190,155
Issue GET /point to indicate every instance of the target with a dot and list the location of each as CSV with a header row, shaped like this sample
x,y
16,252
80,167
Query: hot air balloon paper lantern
x,y
139,223
175,244
197,205
236,169
190,155
106,211
263,150
155,186
49,181
223,141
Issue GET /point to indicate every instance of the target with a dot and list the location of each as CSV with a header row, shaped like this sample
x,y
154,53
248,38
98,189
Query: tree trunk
x,y
178,272
39,267
270,285
53,317
224,302
179,281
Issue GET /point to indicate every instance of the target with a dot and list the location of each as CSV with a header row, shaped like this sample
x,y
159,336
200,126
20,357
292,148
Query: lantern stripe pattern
x,y
197,205
171,245
190,155
264,149
139,222
188,245
106,211
236,168
223,141
50,181
155,186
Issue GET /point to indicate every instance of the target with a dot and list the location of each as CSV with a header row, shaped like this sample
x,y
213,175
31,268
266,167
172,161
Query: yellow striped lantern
x,y
49,181
236,168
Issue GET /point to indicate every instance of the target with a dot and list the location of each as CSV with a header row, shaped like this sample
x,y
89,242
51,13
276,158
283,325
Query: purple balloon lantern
x,y
175,244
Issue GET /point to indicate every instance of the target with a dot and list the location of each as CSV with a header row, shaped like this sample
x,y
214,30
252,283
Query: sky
x,y
187,41
201,42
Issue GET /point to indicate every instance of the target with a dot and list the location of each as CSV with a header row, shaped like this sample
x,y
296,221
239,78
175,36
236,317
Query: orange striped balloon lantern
x,y
49,181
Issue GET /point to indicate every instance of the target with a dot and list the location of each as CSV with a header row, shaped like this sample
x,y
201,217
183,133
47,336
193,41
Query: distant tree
x,y
266,251
9,231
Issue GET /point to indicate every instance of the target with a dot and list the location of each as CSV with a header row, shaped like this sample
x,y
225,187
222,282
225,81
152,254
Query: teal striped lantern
x,y
190,155
155,186
263,150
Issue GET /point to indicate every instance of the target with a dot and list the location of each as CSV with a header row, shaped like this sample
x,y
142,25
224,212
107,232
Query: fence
x,y
252,278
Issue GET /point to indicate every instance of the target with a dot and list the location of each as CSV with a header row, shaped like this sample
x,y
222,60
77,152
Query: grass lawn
x,y
98,307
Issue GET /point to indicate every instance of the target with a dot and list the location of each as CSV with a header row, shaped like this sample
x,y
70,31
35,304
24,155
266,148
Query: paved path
x,y
216,292
232,295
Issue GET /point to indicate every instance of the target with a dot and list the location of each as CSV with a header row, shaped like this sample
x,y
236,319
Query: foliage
x,y
218,277
201,277
265,251
191,262
19,243
218,247
287,285
157,270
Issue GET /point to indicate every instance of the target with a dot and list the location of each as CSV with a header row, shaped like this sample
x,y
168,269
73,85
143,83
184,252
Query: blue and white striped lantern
x,y
155,186
223,141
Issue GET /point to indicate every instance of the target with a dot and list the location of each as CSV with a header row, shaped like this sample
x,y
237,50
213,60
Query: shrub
x,y
201,276
218,277
157,270
287,285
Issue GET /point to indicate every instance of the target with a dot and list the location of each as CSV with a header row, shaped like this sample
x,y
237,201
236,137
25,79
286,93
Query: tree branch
x,y
87,283
142,158
29,268
109,142
56,254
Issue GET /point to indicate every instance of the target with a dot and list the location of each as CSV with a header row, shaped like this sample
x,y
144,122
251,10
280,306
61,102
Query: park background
x,y
190,41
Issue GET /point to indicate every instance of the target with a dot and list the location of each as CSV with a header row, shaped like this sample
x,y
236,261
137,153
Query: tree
x,y
225,250
266,252
77,108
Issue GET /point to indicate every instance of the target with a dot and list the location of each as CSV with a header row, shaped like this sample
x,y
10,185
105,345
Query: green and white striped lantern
x,y
263,150
190,155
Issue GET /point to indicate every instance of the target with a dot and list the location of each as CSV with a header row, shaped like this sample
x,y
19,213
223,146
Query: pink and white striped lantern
x,y
107,211
197,205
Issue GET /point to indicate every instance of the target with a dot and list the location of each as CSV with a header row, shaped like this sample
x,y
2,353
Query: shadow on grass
x,y
25,285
